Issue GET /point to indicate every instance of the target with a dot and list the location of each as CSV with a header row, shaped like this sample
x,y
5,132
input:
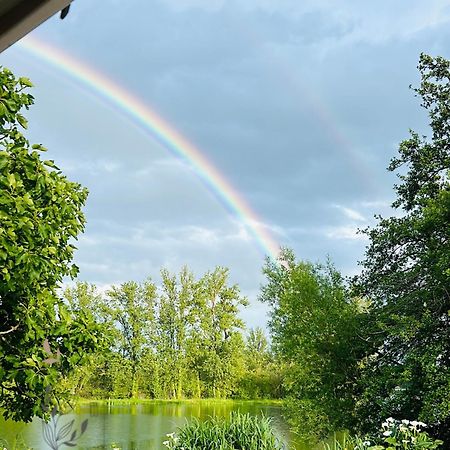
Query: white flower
x,y
387,433
390,419
405,421
385,425
421,424
170,435
367,443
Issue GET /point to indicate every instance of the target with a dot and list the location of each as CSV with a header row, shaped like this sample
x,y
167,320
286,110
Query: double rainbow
x,y
163,132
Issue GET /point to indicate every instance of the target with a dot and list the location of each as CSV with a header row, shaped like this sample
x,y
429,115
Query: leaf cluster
x,y
40,216
406,275
314,325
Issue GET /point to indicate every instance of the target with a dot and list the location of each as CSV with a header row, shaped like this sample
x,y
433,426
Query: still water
x,y
138,425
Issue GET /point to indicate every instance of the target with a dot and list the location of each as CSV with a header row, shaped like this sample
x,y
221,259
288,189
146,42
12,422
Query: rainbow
x,y
163,132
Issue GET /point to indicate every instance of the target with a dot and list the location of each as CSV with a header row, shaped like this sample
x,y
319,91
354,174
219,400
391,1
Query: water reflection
x,y
141,425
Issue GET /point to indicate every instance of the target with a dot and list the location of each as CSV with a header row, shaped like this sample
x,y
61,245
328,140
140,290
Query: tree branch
x,y
10,330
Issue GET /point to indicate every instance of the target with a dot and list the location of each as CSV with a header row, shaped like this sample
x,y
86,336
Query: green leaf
x,y
25,82
23,122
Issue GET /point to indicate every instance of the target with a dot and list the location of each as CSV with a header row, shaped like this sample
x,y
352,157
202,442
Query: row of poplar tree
x,y
181,339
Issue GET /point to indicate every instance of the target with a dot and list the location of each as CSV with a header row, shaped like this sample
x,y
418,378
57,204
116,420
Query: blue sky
x,y
300,105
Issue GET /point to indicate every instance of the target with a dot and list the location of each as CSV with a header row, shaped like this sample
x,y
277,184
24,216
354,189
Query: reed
x,y
239,431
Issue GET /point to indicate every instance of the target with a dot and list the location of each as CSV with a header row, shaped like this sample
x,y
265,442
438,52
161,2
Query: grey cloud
x,y
299,104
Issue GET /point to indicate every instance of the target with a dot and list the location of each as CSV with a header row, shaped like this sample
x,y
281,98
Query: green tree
x,y
198,348
314,328
262,376
175,317
257,349
216,342
131,307
94,377
40,215
406,276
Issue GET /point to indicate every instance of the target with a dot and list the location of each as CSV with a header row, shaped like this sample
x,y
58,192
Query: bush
x,y
240,431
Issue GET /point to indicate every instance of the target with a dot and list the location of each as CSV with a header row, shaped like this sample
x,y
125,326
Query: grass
x,y
238,432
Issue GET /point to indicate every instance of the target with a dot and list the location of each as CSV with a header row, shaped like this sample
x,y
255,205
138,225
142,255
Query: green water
x,y
139,425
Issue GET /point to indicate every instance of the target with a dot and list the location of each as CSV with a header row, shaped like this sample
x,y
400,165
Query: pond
x,y
142,425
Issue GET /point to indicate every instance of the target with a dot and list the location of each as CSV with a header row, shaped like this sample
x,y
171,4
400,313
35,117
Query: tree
x,y
198,345
406,276
175,318
215,343
182,340
262,375
132,309
94,377
257,349
314,327
40,215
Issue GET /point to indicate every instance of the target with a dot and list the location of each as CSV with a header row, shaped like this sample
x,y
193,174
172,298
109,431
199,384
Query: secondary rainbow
x,y
164,133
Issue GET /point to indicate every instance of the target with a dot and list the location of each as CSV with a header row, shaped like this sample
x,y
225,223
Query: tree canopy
x,y
40,215
406,276
314,326
180,338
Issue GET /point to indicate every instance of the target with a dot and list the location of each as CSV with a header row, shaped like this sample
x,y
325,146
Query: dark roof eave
x,y
24,16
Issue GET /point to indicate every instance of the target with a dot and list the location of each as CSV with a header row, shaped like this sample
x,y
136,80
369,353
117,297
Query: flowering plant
x,y
405,434
398,435
393,435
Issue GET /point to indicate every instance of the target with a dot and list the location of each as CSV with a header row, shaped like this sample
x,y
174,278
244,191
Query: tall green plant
x,y
239,431
174,320
40,216
406,275
314,326
131,307
216,342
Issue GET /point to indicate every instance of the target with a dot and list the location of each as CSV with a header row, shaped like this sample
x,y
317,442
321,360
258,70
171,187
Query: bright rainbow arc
x,y
160,130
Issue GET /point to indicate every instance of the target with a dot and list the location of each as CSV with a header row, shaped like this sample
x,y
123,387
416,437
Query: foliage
x,y
131,307
314,326
263,372
17,444
83,298
215,342
406,277
175,317
394,434
240,431
181,340
40,214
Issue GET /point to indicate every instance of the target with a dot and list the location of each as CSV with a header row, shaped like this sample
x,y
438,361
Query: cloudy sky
x,y
299,104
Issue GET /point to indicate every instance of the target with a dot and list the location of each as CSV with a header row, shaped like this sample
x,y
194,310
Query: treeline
x,y
181,339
